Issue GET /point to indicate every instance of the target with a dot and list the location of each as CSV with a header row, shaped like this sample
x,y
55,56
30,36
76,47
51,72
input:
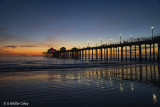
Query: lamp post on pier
x,y
152,31
153,43
120,37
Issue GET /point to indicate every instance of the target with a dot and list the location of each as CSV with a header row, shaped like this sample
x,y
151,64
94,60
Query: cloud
x,y
15,46
28,46
10,46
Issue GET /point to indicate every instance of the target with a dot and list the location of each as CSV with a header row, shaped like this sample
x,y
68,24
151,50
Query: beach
x,y
32,81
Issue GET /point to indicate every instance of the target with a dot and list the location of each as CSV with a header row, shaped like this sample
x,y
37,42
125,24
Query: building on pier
x,y
50,52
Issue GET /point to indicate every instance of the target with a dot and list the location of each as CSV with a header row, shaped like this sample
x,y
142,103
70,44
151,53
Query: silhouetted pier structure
x,y
117,51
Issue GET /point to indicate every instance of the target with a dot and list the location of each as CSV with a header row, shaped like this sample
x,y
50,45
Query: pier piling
x,y
145,51
135,52
158,56
130,52
101,54
140,53
121,53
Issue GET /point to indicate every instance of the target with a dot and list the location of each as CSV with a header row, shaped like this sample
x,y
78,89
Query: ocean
x,y
51,82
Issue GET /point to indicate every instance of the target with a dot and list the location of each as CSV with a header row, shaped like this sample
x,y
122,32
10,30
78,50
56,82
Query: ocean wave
x,y
24,67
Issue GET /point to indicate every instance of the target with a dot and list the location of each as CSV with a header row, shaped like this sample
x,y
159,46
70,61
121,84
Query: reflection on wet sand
x,y
125,79
145,73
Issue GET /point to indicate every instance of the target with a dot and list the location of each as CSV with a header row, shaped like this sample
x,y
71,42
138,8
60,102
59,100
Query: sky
x,y
30,27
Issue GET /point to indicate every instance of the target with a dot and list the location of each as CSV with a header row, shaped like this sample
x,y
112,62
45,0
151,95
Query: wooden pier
x,y
120,51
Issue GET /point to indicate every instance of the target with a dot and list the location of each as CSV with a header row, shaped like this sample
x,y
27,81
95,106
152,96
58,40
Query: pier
x,y
139,49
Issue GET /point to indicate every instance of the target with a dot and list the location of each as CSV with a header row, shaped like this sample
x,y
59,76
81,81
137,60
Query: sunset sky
x,y
29,27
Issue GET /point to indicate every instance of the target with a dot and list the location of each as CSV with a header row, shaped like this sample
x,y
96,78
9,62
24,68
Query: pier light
x,y
152,31
110,40
131,37
120,37
152,27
